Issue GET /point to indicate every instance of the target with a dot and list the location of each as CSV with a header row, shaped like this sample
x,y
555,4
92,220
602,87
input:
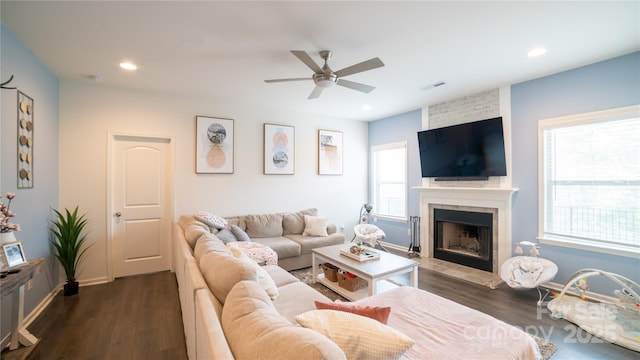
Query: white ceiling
x,y
224,50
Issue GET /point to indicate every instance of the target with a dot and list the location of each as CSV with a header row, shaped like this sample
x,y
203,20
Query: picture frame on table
x,y
12,255
214,145
279,151
330,152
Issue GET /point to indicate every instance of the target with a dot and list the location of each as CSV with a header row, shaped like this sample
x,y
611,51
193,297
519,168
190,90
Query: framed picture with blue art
x,y
214,145
329,152
279,149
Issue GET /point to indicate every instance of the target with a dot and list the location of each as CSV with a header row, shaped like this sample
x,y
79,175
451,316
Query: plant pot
x,y
7,237
71,289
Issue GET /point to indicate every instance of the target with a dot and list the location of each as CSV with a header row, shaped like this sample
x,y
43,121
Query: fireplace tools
x,y
414,247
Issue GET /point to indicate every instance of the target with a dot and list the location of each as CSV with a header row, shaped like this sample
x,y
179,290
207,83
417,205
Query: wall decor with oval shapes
x,y
25,141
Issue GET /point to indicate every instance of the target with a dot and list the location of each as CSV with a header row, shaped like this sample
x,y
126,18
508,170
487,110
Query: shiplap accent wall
x,y
480,106
484,105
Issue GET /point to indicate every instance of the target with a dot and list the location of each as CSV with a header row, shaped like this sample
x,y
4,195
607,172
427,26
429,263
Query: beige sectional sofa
x,y
207,271
232,308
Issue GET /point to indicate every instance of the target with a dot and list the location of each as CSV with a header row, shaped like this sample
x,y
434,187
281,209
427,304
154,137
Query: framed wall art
x,y
12,255
214,145
330,152
279,149
25,141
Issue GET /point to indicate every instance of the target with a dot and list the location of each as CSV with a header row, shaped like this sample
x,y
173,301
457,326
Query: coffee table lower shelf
x,y
383,285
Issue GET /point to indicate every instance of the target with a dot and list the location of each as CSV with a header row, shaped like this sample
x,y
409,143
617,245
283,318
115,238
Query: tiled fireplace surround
x,y
494,200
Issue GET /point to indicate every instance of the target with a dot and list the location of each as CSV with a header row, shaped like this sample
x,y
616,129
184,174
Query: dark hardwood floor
x,y
136,317
139,318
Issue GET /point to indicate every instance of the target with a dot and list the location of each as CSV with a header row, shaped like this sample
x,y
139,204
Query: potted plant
x,y
68,240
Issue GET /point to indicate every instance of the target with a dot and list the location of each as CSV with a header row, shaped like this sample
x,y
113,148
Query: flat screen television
x,y
469,151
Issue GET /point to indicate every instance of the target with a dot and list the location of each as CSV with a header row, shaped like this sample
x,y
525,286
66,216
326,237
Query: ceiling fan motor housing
x,y
325,80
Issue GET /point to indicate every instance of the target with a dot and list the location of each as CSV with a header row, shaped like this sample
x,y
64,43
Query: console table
x,y
8,285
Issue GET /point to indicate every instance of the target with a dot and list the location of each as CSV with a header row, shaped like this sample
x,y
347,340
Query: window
x,y
389,180
589,182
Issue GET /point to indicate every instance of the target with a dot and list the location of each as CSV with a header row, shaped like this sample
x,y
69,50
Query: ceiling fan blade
x,y
290,79
315,93
355,86
307,60
360,67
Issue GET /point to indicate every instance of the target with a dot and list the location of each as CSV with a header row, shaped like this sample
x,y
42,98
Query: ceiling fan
x,y
325,78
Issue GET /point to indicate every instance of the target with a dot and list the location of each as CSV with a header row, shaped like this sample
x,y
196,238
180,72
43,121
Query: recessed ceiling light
x,y
536,52
128,66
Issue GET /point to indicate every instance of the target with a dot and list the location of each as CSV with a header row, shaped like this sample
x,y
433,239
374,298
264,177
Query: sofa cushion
x,y
264,225
255,330
285,248
315,225
293,223
279,275
380,313
297,298
222,272
264,279
307,243
193,229
358,336
209,243
210,219
240,234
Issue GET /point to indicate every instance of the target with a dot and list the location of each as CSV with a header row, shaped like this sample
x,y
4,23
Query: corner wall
x,y
31,206
604,85
89,111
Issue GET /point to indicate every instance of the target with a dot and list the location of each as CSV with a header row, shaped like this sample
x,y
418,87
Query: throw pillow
x,y
315,226
239,233
358,336
374,312
226,236
264,279
210,219
255,329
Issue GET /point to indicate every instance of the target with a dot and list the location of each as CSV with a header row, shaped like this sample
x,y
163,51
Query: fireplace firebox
x,y
464,237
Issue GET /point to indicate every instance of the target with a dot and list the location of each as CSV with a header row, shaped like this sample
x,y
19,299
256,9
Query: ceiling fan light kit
x,y
325,78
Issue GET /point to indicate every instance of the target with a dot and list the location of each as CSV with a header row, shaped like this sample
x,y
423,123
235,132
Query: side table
x,y
8,285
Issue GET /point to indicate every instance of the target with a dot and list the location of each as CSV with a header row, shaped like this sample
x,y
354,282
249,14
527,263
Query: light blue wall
x,y
403,127
30,205
604,85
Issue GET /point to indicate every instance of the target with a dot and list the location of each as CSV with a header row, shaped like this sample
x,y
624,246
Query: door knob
x,y
118,214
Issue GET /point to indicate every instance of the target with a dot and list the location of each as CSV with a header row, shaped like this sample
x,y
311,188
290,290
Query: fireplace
x,y
464,237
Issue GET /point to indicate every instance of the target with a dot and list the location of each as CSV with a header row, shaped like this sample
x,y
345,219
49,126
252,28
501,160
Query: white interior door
x,y
141,205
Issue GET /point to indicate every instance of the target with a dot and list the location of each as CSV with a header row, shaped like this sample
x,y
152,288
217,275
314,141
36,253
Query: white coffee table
x,y
375,272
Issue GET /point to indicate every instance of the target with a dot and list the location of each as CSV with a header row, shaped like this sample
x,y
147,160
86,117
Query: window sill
x,y
392,218
620,250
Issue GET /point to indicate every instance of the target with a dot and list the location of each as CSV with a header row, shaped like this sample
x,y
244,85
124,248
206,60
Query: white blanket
x,y
443,329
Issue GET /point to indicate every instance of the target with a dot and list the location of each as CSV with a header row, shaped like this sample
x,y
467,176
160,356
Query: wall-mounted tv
x,y
469,151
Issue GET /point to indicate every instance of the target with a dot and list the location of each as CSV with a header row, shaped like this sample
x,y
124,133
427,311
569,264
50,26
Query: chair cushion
x,y
255,330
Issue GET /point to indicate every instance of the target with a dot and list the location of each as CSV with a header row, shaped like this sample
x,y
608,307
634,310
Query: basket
x,y
351,283
330,272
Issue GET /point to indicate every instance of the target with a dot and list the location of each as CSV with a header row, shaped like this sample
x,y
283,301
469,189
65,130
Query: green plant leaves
x,y
68,239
